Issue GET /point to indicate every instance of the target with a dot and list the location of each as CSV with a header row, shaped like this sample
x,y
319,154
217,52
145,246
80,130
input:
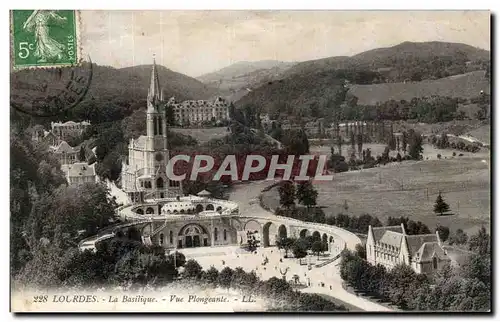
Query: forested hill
x,y
108,82
409,60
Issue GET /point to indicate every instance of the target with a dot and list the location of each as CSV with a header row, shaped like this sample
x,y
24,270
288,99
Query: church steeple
x,y
154,87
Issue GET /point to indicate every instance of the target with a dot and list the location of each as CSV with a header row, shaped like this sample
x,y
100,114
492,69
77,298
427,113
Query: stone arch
x,y
252,225
199,208
140,211
150,210
182,211
304,233
331,239
175,211
282,232
269,232
193,235
210,207
219,209
316,235
324,238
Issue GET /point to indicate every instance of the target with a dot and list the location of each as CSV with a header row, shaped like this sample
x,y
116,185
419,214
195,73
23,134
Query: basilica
x,y
144,176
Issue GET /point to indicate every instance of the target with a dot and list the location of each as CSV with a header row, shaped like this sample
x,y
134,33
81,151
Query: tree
x,y
360,251
225,277
252,242
415,149
81,154
180,259
306,194
287,194
480,242
211,275
443,232
460,237
440,207
317,247
285,243
299,250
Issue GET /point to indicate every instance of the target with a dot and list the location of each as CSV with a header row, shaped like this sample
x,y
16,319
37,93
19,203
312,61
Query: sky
x,y
199,42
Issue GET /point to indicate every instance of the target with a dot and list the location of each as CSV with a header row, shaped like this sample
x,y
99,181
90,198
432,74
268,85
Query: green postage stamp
x,y
44,38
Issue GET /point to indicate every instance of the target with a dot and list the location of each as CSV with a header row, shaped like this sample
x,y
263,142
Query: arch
x,y
160,183
182,211
331,239
324,238
282,233
304,233
210,207
175,211
252,225
140,211
219,209
269,232
199,208
193,235
150,211
316,235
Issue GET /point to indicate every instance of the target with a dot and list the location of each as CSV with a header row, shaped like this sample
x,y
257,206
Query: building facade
x,y
391,246
69,129
144,175
65,153
197,112
79,173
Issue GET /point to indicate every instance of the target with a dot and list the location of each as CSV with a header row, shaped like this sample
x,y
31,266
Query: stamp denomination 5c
x,y
44,38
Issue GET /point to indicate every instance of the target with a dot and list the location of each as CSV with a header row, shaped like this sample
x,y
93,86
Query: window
x,y
215,233
171,237
225,234
434,263
161,239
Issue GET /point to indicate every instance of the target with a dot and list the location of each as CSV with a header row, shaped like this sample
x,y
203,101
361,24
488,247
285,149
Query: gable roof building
x,y
391,246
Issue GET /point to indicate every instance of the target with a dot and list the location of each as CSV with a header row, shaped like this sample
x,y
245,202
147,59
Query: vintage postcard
x,y
250,161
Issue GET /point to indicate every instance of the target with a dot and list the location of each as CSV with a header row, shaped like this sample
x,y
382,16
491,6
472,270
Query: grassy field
x,y
465,86
203,135
410,189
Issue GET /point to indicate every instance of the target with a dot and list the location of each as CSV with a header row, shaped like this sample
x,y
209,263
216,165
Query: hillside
x,y
130,82
461,86
238,79
408,60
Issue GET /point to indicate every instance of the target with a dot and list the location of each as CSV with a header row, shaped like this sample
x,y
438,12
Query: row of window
x,y
171,236
159,184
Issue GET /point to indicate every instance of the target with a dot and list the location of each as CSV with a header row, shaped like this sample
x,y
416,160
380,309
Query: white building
x,y
79,173
69,129
391,246
65,153
196,112
144,175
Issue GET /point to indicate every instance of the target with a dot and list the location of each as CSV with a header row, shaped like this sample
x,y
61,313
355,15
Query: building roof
x,y
64,147
428,250
391,238
378,232
415,242
78,170
203,193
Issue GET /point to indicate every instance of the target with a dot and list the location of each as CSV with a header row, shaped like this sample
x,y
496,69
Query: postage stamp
x,y
44,38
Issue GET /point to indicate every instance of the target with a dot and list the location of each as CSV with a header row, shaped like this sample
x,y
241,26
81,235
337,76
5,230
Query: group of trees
x,y
467,288
300,246
280,294
304,192
442,142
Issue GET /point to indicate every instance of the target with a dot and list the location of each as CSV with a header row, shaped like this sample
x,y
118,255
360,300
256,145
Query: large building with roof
x,y
70,129
391,246
79,173
144,176
199,111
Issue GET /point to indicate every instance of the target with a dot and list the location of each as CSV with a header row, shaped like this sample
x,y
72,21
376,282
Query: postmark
x,y
61,90
44,38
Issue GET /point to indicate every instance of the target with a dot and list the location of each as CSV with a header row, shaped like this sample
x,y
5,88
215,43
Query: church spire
x,y
154,86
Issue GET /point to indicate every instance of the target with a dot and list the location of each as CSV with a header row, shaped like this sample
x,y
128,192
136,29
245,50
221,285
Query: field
x,y
203,135
465,86
410,189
